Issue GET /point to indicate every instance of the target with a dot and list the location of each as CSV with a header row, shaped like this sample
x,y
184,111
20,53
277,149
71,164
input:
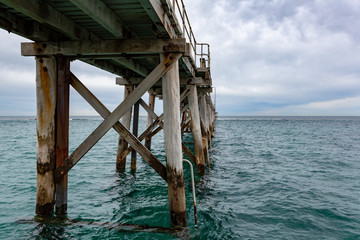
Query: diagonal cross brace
x,y
113,118
104,112
158,121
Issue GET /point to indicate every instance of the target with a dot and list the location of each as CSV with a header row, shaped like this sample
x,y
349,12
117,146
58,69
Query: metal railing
x,y
201,50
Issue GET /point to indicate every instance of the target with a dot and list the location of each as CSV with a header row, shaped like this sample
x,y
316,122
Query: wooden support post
x,y
135,133
173,147
204,126
45,130
123,144
196,129
62,130
150,119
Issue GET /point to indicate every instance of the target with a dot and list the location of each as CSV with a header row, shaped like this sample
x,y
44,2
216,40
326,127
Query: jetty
x,y
150,45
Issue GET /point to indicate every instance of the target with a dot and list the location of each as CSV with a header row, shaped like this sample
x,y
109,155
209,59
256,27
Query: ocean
x,y
270,178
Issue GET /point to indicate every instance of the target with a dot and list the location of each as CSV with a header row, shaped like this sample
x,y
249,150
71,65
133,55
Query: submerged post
x,y
173,148
150,119
45,131
135,132
196,130
62,130
125,120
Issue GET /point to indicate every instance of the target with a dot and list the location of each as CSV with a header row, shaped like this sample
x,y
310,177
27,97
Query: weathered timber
x,y
46,135
196,129
204,125
100,131
150,119
44,13
62,130
135,133
131,139
188,153
173,148
103,15
183,81
100,47
147,133
122,145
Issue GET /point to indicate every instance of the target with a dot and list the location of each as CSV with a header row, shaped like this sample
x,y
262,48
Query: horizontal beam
x,y
183,81
98,10
106,47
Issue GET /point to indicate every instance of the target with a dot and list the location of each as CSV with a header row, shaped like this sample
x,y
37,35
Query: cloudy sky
x,y
269,57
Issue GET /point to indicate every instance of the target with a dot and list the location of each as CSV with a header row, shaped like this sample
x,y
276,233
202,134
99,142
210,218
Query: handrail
x,y
188,33
193,189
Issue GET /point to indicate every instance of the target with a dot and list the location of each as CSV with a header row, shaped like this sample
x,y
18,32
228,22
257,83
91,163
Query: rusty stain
x,y
45,86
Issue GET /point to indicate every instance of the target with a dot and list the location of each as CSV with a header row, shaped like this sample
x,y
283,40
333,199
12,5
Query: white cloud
x,y
288,57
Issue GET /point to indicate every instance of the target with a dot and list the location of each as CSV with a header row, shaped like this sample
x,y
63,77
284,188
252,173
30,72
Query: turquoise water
x,y
271,178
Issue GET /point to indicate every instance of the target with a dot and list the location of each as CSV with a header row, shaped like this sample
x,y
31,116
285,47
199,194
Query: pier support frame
x,y
173,146
52,126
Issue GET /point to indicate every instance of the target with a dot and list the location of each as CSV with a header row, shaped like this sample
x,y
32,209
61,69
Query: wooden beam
x,y
183,81
28,29
103,47
97,10
159,18
46,135
49,16
173,149
137,68
62,130
135,133
130,138
150,118
99,132
123,144
196,129
188,153
147,133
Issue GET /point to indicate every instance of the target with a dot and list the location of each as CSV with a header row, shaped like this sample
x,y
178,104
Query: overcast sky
x,y
268,57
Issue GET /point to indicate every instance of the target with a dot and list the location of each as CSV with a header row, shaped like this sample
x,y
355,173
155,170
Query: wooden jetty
x,y
151,46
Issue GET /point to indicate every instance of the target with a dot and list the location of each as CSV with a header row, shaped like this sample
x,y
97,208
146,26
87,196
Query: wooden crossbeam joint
x,y
103,47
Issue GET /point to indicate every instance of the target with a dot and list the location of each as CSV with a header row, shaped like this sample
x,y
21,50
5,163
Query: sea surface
x,y
270,178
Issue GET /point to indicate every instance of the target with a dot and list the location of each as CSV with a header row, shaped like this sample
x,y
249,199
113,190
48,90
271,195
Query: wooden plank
x,y
49,16
103,15
46,135
123,144
150,118
131,139
99,132
62,131
135,133
196,129
103,47
28,29
160,19
173,149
